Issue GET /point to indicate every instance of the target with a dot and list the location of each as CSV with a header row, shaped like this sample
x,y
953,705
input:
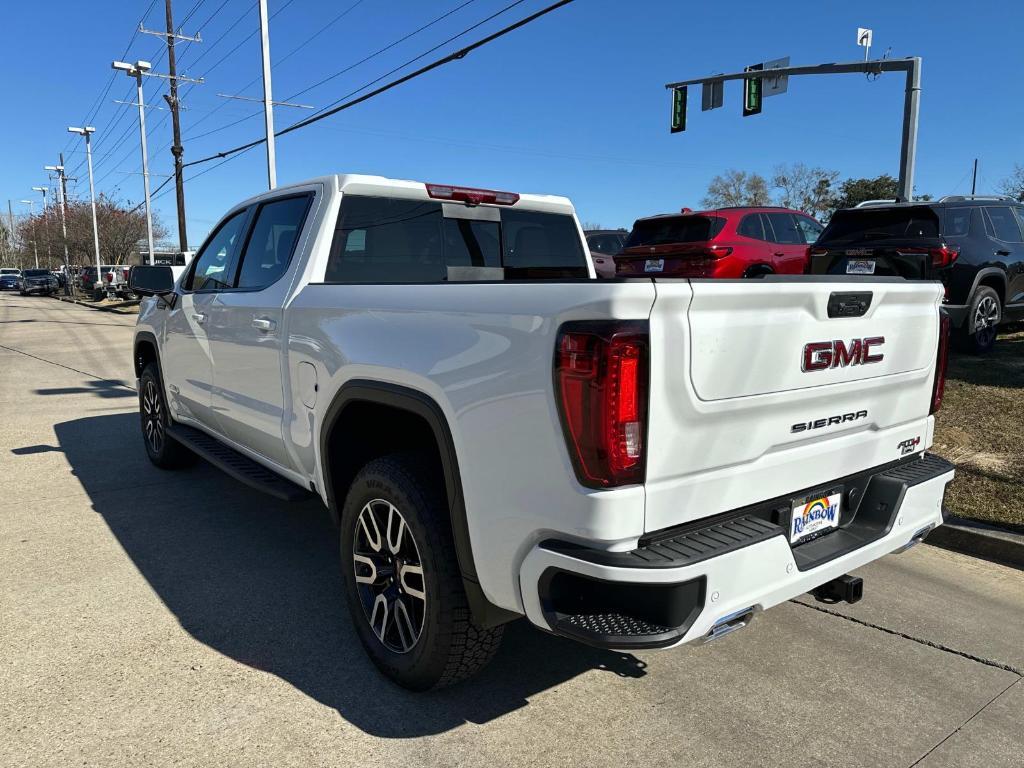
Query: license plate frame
x,y
654,265
815,515
861,267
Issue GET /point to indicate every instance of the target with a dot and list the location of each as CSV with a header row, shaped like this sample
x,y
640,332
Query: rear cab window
x,y
398,240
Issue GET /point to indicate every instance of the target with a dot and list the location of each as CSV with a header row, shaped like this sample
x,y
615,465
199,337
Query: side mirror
x,y
151,281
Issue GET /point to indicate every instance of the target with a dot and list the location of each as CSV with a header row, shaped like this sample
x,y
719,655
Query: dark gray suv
x,y
973,244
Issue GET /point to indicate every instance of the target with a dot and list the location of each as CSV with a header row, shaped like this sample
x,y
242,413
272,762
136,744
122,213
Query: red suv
x,y
725,242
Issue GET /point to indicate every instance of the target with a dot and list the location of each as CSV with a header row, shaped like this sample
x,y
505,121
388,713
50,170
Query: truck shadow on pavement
x,y
258,581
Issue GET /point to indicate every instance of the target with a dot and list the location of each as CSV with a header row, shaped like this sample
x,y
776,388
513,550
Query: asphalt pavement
x,y
179,618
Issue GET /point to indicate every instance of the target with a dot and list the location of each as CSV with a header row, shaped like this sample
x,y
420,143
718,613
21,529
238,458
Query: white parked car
x,y
633,464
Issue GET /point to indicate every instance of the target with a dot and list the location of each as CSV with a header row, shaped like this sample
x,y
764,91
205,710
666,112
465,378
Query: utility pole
x,y
10,219
268,103
63,189
172,101
974,178
137,70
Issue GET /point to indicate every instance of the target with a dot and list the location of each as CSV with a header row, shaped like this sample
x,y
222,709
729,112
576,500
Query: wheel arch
x,y
994,278
360,396
144,351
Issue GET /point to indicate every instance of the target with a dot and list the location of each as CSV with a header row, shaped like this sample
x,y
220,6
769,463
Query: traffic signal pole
x,y
911,102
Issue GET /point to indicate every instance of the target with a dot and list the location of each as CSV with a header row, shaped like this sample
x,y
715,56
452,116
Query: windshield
x,y
35,272
674,229
881,224
9,272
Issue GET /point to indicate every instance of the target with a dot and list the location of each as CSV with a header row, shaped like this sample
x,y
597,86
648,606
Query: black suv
x,y
973,244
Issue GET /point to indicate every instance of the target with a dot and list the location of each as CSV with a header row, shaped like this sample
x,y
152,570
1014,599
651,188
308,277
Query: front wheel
x,y
402,580
163,451
978,335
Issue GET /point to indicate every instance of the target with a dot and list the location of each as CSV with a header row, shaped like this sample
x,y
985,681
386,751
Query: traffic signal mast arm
x,y
912,67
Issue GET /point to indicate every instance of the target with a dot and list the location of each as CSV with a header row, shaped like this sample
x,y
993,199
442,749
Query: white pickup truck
x,y
631,463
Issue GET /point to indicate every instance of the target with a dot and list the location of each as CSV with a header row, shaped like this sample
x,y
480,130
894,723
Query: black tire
x,y
98,294
446,646
154,419
977,336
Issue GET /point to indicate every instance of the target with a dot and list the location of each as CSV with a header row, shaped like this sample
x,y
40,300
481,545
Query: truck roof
x,y
363,184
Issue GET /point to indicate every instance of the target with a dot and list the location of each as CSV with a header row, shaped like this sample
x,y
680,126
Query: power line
x,y
365,59
284,58
456,56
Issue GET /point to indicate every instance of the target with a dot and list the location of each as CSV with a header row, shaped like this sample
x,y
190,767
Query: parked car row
x,y
25,282
973,245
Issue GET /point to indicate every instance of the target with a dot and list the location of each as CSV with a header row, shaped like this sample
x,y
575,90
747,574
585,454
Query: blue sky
x,y
573,104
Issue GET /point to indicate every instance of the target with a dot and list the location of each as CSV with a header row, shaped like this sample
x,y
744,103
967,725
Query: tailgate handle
x,y
849,304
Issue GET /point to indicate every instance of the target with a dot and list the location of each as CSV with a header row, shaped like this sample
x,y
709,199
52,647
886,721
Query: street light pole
x,y
268,104
46,222
87,132
136,70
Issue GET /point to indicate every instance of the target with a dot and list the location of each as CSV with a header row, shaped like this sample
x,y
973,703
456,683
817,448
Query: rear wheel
x,y
402,580
978,334
162,450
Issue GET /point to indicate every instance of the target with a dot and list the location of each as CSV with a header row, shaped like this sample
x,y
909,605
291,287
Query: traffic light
x,y
678,122
752,91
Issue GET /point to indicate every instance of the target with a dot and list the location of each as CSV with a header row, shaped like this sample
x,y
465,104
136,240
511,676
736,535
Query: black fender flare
x,y
424,406
982,274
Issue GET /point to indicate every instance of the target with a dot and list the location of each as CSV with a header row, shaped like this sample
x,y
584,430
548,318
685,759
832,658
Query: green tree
x,y
854,191
737,188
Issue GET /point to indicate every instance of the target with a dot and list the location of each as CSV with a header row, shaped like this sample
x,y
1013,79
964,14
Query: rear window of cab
x,y
397,240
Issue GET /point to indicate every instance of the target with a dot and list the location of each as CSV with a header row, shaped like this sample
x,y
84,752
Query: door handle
x,y
1002,253
263,323
779,253
199,317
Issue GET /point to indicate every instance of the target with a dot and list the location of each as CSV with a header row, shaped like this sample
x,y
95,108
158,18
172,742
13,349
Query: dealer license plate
x,y
654,265
813,516
860,267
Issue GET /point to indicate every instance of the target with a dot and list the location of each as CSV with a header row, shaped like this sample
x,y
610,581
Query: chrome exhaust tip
x,y
919,536
730,623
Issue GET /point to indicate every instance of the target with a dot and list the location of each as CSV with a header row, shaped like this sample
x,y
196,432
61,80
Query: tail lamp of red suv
x,y
601,385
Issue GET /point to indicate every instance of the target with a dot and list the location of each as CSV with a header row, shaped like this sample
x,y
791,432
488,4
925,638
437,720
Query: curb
x,y
978,539
115,308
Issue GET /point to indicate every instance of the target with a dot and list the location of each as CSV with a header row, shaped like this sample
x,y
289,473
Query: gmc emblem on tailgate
x,y
820,355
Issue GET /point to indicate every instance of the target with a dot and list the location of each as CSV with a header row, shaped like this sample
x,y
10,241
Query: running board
x,y
235,464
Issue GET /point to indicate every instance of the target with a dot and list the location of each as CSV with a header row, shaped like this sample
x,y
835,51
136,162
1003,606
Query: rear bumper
x,y
684,586
957,313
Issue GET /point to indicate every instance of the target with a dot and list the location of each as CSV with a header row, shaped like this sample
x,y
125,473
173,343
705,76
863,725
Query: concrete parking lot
x,y
165,618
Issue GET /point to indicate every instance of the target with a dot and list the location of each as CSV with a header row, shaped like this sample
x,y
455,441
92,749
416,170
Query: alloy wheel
x,y
153,417
986,318
389,576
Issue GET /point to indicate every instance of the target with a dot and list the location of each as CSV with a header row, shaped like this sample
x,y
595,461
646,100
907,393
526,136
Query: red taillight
x,y
944,256
471,196
718,251
601,379
941,360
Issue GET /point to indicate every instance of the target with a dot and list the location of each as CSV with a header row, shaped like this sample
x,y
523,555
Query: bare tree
x,y
737,188
807,189
120,229
1014,183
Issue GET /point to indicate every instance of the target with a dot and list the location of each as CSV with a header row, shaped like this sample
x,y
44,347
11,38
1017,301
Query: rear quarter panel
x,y
483,353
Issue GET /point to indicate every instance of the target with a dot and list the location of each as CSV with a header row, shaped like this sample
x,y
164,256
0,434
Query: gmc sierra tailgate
x,y
762,388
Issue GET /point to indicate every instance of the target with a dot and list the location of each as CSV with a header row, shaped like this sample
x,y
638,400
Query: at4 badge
x,y
909,445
